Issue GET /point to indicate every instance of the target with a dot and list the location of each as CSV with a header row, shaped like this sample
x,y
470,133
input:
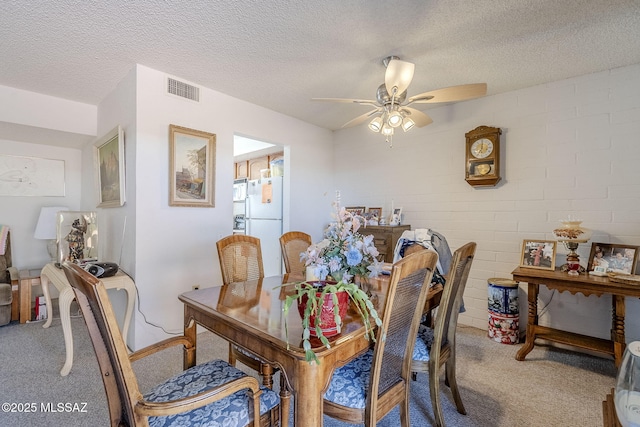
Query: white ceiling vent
x,y
184,90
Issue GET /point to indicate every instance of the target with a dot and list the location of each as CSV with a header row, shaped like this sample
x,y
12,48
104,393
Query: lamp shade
x,y
376,124
572,231
46,227
407,124
395,119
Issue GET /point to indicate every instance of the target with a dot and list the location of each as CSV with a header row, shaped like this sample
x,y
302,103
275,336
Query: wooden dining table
x,y
249,315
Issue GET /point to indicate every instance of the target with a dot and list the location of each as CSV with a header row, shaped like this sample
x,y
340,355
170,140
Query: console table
x,y
55,275
587,285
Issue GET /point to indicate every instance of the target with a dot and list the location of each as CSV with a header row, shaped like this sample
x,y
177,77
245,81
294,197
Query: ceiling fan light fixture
x,y
387,130
395,119
376,124
407,124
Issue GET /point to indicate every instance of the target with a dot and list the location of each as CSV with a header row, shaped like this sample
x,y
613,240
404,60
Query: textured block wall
x,y
568,148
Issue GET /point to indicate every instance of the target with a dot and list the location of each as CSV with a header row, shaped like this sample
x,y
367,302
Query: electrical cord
x,y
544,309
143,315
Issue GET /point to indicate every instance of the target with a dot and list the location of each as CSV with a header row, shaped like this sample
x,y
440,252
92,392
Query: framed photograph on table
x,y
539,254
377,212
613,258
109,166
192,157
356,210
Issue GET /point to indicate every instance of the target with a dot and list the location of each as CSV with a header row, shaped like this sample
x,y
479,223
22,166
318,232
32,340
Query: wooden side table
x,y
52,274
27,279
587,285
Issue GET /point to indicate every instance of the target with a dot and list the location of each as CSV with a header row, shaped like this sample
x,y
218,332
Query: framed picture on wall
x,y
613,258
539,254
109,166
192,157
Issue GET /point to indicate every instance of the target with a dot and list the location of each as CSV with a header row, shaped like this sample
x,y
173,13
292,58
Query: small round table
x,y
55,275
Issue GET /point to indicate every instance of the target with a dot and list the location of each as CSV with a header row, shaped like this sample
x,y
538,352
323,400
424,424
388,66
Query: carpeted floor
x,y
553,387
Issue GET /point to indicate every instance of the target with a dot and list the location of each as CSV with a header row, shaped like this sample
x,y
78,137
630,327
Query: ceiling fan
x,y
392,107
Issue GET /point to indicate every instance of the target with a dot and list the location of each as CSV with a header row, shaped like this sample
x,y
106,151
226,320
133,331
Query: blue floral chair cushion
x,y
349,383
232,411
423,344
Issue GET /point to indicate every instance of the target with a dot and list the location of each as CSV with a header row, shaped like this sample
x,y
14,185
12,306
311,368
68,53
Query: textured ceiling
x,y
281,53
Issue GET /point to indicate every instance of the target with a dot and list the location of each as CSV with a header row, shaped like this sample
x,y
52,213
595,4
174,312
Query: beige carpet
x,y
553,387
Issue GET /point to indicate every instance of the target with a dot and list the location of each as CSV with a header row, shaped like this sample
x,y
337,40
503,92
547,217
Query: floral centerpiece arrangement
x,y
344,253
336,262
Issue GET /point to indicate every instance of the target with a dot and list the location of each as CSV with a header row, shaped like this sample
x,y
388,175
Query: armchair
x,y
8,277
212,394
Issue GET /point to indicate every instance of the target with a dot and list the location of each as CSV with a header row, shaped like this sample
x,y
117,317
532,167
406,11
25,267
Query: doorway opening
x,y
258,196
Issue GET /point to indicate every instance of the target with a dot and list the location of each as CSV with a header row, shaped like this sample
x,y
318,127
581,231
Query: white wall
x,y
569,147
32,109
36,125
21,213
175,246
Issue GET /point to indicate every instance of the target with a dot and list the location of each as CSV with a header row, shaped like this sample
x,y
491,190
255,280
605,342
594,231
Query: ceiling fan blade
x,y
399,74
362,118
349,101
419,118
450,94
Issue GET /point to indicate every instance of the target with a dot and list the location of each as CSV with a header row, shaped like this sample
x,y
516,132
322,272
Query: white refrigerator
x,y
263,219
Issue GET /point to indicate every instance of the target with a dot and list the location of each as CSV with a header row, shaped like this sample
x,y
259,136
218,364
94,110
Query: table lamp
x,y
46,228
627,392
572,234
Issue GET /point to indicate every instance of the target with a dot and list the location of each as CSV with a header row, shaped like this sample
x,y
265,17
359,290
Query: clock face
x,y
482,148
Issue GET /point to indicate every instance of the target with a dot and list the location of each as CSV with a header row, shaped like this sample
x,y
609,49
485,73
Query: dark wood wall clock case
x,y
482,156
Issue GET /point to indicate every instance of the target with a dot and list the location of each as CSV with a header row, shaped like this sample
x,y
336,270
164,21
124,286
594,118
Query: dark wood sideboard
x,y
385,238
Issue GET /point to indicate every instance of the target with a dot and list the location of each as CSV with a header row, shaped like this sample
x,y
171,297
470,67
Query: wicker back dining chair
x,y
292,244
436,347
214,390
370,386
241,260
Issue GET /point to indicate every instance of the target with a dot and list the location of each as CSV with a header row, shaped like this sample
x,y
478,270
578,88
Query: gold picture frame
x,y
356,210
192,158
110,169
539,254
377,212
613,257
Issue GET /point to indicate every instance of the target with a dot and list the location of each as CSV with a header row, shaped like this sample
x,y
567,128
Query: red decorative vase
x,y
327,319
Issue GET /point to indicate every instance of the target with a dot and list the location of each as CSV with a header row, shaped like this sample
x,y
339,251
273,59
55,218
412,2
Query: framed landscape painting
x,y
192,157
539,254
109,159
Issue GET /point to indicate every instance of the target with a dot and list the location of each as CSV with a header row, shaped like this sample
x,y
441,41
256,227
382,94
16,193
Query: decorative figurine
x,y
76,240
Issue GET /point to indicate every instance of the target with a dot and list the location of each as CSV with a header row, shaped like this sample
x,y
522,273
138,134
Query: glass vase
x,y
627,392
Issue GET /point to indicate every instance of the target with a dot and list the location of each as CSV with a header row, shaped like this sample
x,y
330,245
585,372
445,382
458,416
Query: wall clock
x,y
482,156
